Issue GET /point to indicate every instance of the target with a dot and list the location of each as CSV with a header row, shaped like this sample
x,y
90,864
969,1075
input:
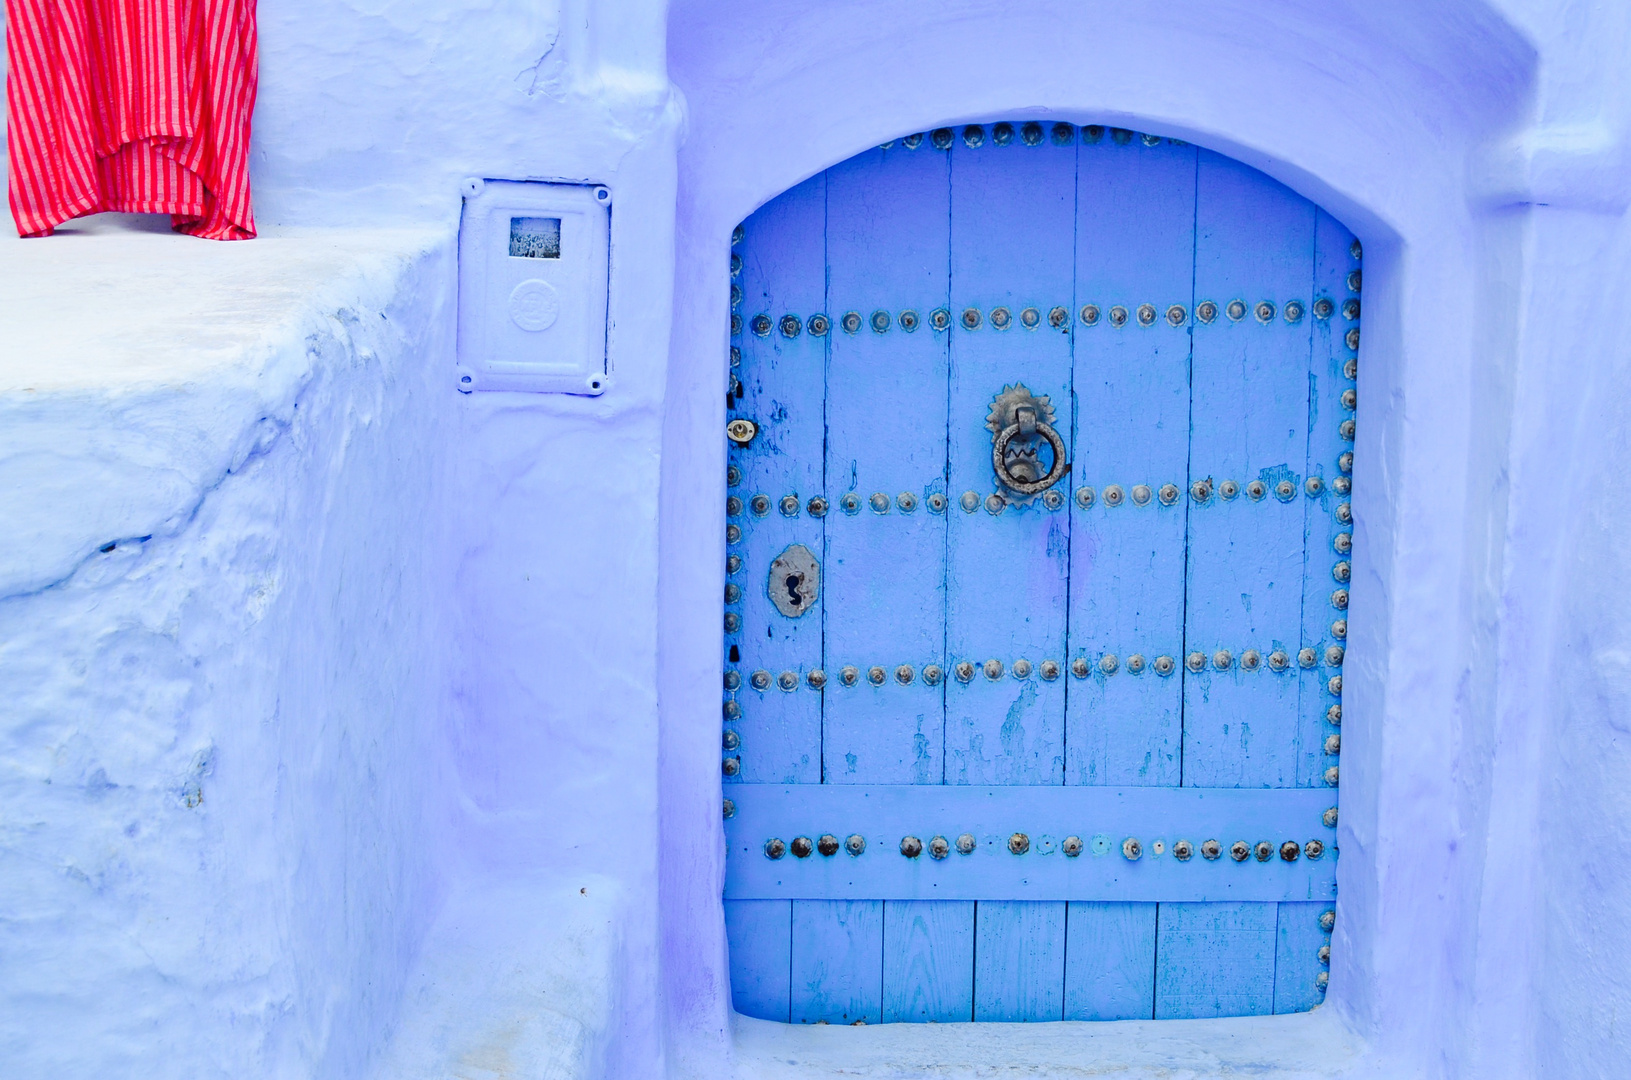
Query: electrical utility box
x,y
533,268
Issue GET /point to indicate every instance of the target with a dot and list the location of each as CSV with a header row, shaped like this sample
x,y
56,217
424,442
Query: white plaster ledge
x,y
515,980
1298,1047
140,367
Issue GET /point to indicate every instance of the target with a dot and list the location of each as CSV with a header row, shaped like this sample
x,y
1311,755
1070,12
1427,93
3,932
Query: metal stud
x,y
1002,134
1313,485
736,329
906,501
1206,311
731,740
849,674
1090,315
1084,497
1313,849
1350,309
851,322
1342,543
937,502
733,710
733,679
732,766
1182,850
1324,955
733,622
880,322
817,679
1350,370
733,563
1333,744
1135,663
876,675
827,844
879,503
1150,140
1343,570
790,326
733,507
760,505
904,674
1333,715
1294,311
1330,818
854,843
1307,657
1113,495
1165,665
908,320
788,680
1322,981
994,504
973,135
932,675
912,142
1339,628
1334,685
1264,312
1200,490
1079,667
1328,920
1339,599
1278,660
736,235
1196,662
1240,851
1092,133
1072,846
1146,314
1031,134
818,325
1236,310
1256,490
736,295
1048,669
1223,659
1351,339
1323,308
1141,494
1176,315
850,503
730,809
1349,399
760,680
971,318
775,849
965,844
1228,489
1264,851
1168,494
1333,655
911,847
790,506
1251,660
733,593
1355,280
1019,843
941,137
938,848
1121,136
1211,849
1118,316
993,670
970,501
1331,776
1022,668
817,507
1052,499
1289,851
1131,849
1342,485
802,847
733,476
1285,491
760,324
965,671
1346,462
1030,318
1109,664
1064,134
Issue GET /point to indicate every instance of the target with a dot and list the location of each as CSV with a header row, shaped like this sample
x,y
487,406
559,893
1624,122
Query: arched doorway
x,y
1038,542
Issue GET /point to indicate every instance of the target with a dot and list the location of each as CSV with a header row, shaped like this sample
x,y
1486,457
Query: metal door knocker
x,y
1020,423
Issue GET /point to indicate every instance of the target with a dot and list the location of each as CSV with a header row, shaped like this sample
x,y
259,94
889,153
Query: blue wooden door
x,y
1038,539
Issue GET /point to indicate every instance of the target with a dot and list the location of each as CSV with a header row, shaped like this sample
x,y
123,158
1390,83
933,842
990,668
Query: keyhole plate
x,y
795,581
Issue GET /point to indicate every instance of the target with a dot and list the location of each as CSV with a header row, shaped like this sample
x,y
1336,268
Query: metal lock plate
x,y
794,583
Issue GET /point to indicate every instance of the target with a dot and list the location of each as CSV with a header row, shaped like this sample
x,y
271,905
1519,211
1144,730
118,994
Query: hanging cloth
x,y
139,106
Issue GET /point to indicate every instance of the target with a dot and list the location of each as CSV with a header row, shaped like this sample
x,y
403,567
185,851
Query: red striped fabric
x,y
140,106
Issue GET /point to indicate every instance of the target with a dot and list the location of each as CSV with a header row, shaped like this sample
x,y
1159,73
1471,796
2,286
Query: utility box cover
x,y
533,267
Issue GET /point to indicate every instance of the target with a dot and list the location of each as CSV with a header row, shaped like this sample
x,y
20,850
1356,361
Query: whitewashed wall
x,y
437,664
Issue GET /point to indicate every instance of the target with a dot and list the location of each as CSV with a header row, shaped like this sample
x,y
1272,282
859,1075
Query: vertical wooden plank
x,y
1135,246
837,961
928,961
1297,964
1019,960
1254,246
887,243
781,380
759,935
1109,961
1214,960
1012,248
1328,544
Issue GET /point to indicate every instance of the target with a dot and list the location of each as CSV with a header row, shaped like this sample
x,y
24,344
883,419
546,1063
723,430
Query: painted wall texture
x,y
383,740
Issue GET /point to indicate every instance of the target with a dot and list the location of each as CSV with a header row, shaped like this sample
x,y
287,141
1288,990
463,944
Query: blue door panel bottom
x,y
1039,536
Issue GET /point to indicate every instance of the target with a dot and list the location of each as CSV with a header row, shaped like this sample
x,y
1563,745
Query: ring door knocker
x,y
1020,422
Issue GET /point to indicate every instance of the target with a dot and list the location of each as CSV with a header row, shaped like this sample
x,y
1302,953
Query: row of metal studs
x,y
1308,658
1132,848
1342,570
1328,818
1001,318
